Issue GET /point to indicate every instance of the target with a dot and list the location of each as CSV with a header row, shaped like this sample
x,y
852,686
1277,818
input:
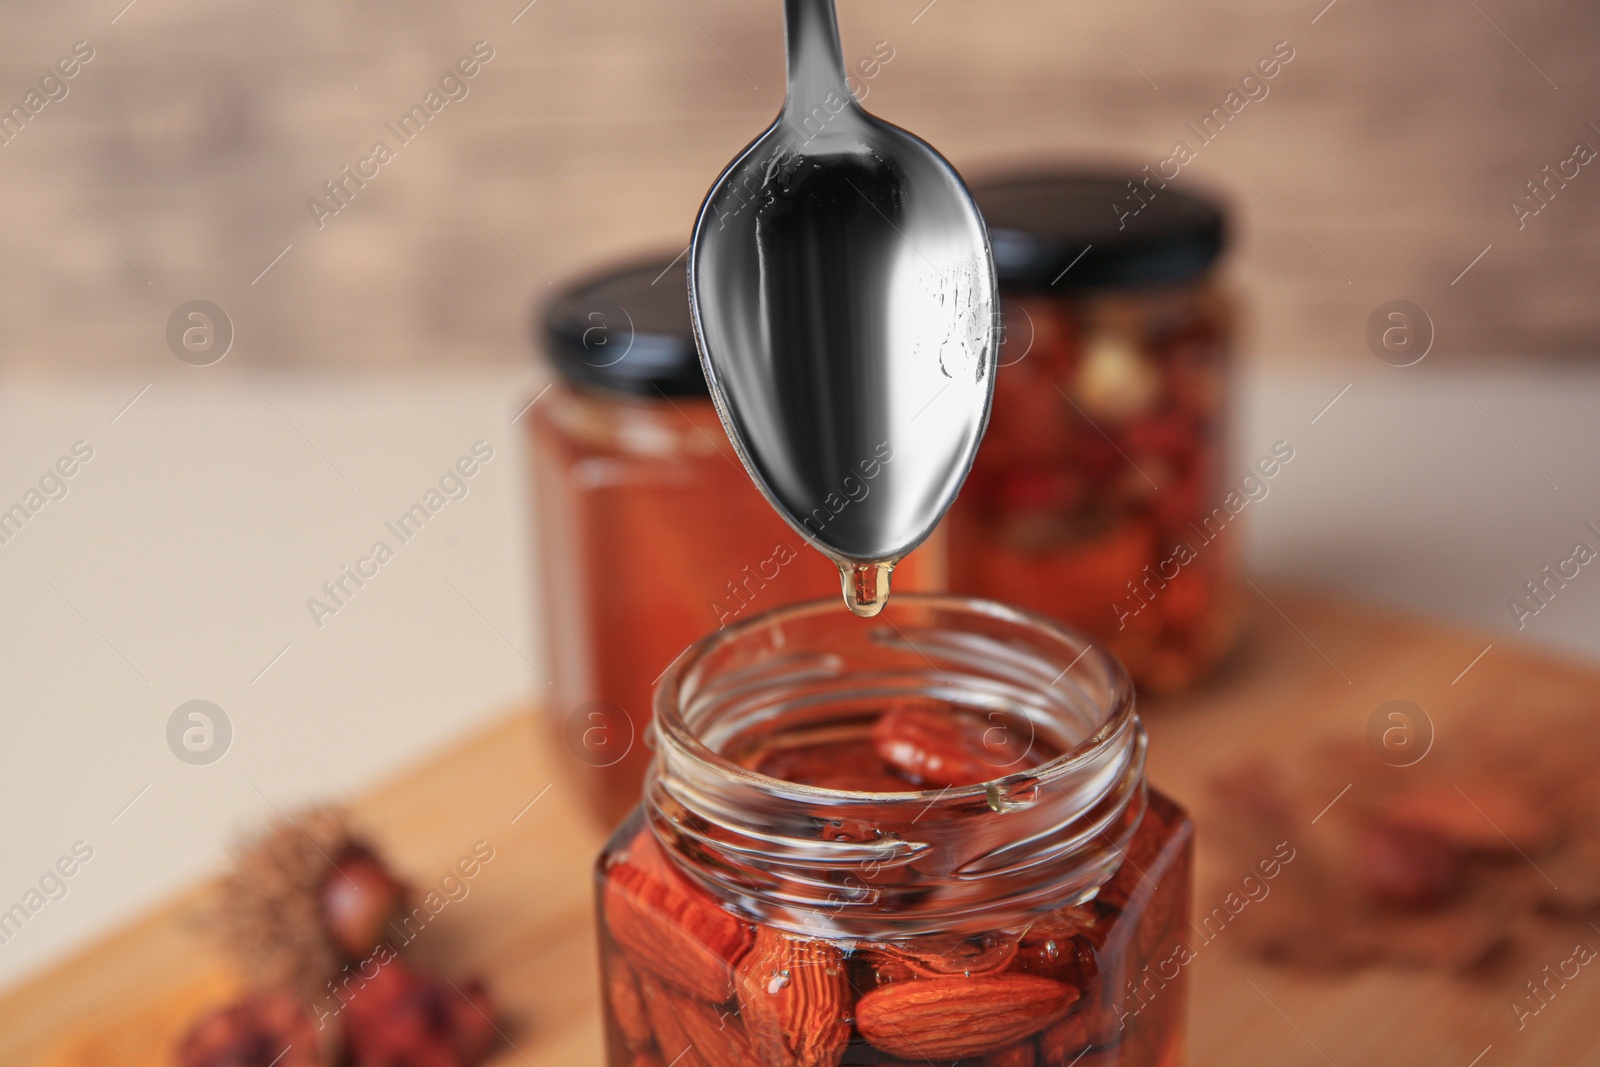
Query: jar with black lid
x,y
648,532
1097,497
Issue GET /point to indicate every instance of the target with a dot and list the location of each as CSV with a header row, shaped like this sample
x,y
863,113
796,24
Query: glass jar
x,y
648,531
924,837
1097,497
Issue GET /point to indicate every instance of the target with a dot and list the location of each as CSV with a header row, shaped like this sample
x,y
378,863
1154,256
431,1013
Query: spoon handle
x,y
816,65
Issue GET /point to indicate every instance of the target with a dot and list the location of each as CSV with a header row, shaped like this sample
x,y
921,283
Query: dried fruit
x,y
1403,868
259,1031
1492,819
794,1000
627,1004
937,746
671,928
953,1018
359,897
1420,866
402,1018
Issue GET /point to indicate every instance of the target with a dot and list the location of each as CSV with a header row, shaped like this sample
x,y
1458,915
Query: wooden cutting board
x,y
1311,667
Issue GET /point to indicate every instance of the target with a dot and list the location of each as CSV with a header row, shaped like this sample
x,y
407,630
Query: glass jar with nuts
x,y
920,838
1098,497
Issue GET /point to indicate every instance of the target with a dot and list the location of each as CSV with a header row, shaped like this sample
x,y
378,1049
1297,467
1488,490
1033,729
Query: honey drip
x,y
866,586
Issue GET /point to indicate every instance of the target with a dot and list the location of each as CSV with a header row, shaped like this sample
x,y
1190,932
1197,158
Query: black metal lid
x,y
1040,225
628,331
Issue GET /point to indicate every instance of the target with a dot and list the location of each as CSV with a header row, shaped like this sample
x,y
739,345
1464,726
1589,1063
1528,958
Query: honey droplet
x,y
866,586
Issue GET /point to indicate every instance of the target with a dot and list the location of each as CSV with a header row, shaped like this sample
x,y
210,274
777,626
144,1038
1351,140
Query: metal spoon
x,y
843,295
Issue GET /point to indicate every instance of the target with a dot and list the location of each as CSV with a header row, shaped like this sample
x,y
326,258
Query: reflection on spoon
x,y
843,296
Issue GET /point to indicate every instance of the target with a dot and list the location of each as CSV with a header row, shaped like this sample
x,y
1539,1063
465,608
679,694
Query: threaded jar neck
x,y
838,863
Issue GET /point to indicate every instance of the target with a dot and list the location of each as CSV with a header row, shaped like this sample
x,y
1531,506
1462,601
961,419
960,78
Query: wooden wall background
x,y
180,163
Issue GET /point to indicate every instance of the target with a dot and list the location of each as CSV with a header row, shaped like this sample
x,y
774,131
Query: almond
x,y
884,970
1162,927
671,928
794,1000
1059,945
1018,1055
1082,1027
1134,878
718,1037
853,766
672,1041
941,957
627,1004
953,1018
1094,1056
1064,1040
939,746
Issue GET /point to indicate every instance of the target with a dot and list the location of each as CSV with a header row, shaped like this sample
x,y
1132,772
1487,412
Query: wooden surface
x,y
1310,668
180,165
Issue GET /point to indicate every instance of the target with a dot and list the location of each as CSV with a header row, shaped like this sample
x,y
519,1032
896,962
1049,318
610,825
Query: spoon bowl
x,y
844,298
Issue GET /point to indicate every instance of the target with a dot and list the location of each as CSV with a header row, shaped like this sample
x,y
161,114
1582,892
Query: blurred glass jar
x,y
1096,497
897,841
649,533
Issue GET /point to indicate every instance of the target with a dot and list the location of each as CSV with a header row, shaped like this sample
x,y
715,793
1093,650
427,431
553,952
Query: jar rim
x,y
868,864
1119,704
